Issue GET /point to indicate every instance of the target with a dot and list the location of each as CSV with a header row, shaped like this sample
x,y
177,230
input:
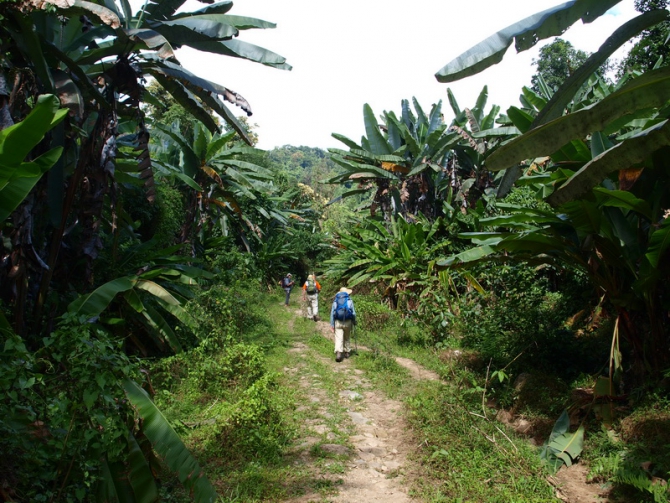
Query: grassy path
x,y
366,427
352,439
273,418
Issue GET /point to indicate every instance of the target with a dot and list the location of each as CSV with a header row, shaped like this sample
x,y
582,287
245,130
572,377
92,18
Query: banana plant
x,y
615,110
617,239
95,57
411,162
18,176
144,299
221,175
396,257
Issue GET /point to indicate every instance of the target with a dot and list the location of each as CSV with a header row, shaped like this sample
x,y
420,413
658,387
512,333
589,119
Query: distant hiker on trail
x,y
342,319
287,284
310,293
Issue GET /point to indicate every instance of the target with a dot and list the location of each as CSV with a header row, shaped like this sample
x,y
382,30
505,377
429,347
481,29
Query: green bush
x,y
523,317
62,412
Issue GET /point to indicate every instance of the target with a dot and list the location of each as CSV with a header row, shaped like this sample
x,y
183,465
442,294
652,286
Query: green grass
x,y
255,449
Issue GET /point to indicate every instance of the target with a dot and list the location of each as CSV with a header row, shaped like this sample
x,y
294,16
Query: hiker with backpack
x,y
310,293
287,284
342,320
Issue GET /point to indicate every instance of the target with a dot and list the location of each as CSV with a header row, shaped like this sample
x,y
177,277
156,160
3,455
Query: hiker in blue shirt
x,y
342,319
287,284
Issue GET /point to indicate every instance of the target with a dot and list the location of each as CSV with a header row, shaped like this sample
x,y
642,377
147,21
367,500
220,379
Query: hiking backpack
x,y
311,287
343,310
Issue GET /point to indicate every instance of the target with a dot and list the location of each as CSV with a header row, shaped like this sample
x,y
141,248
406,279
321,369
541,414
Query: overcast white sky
x,y
351,52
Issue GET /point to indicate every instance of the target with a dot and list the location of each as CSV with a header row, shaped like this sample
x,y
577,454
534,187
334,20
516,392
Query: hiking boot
x,y
338,357
346,354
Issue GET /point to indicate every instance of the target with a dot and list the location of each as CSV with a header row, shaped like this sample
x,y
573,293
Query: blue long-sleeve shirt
x,y
350,304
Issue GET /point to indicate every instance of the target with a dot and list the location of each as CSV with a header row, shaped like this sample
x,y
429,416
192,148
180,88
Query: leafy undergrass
x,y
240,407
244,409
463,456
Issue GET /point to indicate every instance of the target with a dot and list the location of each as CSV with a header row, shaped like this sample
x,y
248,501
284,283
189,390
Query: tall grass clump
x,y
220,395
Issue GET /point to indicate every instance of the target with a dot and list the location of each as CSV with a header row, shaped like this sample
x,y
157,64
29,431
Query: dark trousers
x,y
288,294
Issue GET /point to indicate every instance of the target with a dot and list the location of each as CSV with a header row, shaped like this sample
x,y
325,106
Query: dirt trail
x,y
377,468
377,462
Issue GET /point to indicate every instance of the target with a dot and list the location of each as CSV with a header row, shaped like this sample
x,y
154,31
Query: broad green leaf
x,y
349,143
158,291
168,445
501,131
22,179
453,103
658,243
153,40
526,33
211,26
218,143
239,49
18,140
134,300
378,143
186,99
471,255
96,302
220,7
569,88
522,120
188,181
621,156
113,486
534,99
649,90
139,473
622,199
158,323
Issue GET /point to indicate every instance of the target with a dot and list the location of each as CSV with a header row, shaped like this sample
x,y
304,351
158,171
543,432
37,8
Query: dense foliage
x,y
137,234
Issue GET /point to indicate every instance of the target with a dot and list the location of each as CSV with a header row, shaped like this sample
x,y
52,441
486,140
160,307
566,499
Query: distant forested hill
x,y
305,165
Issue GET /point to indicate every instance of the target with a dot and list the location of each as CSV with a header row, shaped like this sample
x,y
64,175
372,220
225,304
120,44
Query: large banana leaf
x,y
240,49
168,445
659,241
378,144
525,33
96,302
569,88
562,447
215,8
187,100
650,90
621,156
139,473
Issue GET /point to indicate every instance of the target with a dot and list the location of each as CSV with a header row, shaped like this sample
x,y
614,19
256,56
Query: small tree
x,y
556,63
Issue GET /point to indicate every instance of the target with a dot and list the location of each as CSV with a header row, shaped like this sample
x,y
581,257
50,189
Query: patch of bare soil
x,y
571,486
379,464
378,435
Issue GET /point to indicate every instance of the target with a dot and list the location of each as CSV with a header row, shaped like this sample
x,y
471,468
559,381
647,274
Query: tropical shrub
x,y
522,322
65,414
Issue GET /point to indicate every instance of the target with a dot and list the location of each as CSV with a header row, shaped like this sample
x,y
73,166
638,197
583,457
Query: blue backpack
x,y
343,310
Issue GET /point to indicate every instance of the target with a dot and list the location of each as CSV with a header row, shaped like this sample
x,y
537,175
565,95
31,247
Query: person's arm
x,y
332,316
353,311
304,291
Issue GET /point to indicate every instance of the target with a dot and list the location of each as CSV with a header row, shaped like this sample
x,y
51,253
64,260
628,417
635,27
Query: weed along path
x,y
378,427
354,439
